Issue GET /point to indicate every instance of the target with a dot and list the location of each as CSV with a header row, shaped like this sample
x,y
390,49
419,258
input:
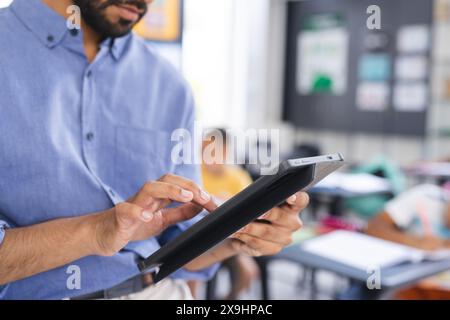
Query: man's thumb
x,y
129,215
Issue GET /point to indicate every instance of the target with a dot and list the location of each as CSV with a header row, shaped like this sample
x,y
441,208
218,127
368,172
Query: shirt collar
x,y
117,46
48,26
51,28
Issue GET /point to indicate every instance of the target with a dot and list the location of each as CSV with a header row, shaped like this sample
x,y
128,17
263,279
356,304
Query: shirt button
x,y
74,32
50,38
89,74
90,136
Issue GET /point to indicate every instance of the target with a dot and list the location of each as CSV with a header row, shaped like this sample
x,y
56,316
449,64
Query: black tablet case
x,y
233,215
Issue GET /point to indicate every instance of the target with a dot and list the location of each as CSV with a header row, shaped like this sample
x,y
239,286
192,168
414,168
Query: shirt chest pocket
x,y
141,155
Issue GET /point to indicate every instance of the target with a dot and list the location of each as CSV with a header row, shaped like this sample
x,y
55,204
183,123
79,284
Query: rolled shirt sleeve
x,y
3,227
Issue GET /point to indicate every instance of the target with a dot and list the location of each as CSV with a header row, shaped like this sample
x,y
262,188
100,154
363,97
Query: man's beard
x,y
93,13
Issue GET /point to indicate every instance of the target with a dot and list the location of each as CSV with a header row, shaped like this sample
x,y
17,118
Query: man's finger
x,y
291,200
182,213
261,246
240,246
161,191
128,215
285,218
200,196
297,202
268,232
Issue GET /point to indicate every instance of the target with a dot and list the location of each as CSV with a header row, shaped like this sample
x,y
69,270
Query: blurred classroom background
x,y
368,79
318,73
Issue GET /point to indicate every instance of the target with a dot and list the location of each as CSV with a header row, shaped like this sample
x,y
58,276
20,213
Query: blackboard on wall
x,y
340,112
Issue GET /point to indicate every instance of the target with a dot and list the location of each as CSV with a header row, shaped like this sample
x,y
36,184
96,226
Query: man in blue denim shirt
x,y
86,177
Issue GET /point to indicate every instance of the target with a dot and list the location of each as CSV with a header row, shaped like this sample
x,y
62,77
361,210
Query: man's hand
x,y
266,236
48,245
273,231
145,215
431,243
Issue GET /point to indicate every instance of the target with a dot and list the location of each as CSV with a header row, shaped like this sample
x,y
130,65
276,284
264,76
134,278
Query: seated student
x,y
418,218
222,180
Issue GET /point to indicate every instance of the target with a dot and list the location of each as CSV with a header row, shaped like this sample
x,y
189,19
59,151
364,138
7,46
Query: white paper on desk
x,y
355,183
437,255
361,251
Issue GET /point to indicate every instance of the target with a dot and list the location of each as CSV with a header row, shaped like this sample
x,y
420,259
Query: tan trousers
x,y
166,289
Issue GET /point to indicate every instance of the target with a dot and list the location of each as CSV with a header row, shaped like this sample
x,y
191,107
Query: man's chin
x,y
122,28
108,29
117,32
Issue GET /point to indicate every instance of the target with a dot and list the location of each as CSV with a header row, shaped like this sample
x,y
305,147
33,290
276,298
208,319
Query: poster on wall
x,y
411,67
414,39
322,60
375,67
372,96
162,22
410,97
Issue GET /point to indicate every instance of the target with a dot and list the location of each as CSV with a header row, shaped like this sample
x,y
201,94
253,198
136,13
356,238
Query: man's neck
x,y
91,38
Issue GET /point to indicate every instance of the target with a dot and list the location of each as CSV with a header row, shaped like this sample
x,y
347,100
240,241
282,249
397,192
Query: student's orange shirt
x,y
230,182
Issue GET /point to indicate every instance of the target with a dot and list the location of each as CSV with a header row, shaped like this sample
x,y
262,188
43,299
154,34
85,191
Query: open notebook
x,y
362,251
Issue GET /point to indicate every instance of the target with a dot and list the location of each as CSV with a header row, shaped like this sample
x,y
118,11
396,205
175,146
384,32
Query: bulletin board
x,y
342,76
163,21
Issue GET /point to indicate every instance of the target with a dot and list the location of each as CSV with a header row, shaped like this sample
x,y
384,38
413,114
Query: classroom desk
x,y
341,193
437,172
391,278
335,198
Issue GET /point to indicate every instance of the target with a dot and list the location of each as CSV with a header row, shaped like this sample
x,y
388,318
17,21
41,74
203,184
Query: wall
x,y
234,57
356,147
